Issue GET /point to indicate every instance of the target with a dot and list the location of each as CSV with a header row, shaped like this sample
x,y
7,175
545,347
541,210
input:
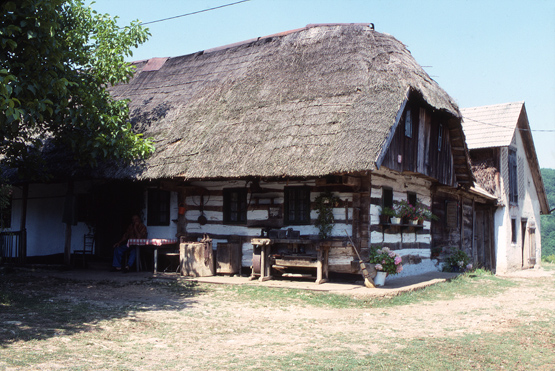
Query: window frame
x,y
301,204
514,231
439,137
240,205
408,124
387,197
158,207
513,177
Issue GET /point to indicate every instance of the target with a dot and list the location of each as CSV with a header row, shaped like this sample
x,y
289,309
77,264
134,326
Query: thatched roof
x,y
310,102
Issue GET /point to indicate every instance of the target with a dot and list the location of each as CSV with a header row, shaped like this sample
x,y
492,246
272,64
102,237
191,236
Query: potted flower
x,y
457,261
424,213
386,214
386,262
407,212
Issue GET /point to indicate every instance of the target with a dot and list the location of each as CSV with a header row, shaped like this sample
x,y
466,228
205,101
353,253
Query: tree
x,y
56,60
548,221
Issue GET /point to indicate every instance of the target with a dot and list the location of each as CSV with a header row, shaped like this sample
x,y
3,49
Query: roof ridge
x,y
494,105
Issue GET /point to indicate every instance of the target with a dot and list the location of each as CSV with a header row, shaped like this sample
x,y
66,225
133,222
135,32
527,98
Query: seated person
x,y
136,230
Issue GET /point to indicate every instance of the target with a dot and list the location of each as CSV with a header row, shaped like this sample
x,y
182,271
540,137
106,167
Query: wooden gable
x,y
430,143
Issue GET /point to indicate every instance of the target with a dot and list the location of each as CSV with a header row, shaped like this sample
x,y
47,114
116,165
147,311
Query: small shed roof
x,y
495,126
490,126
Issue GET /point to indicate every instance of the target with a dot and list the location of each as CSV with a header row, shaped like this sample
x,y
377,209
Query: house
x,y
504,163
252,138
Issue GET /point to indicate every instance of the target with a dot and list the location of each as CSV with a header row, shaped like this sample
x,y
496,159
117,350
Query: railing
x,y
11,246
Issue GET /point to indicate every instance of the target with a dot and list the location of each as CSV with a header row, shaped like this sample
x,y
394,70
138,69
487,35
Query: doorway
x,y
114,204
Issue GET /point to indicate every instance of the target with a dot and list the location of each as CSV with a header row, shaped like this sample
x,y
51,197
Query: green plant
x,y
424,212
324,204
386,260
406,210
458,260
388,211
549,259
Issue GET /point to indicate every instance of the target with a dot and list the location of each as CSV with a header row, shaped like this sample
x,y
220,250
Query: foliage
x,y
548,221
406,210
386,260
324,204
56,60
459,259
388,211
549,259
5,202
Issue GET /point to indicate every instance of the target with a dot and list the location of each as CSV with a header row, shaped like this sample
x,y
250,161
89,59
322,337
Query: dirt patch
x,y
154,322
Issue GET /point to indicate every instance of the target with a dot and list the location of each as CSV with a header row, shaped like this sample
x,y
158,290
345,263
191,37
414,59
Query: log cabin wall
x,y
454,229
412,243
422,144
265,209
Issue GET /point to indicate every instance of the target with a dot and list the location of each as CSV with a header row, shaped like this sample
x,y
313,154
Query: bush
x,y
549,259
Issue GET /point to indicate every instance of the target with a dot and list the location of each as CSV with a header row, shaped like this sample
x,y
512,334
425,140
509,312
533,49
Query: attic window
x,y
513,178
439,137
408,124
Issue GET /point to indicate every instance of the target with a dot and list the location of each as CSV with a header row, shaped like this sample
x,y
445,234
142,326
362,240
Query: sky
x,y
481,52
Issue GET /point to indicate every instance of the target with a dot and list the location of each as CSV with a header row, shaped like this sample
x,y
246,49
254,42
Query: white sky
x,y
481,52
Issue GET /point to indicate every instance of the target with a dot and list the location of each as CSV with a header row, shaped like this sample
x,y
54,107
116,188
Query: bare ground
x,y
156,327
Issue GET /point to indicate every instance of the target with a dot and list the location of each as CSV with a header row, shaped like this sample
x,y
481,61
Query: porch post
x,y
68,220
23,224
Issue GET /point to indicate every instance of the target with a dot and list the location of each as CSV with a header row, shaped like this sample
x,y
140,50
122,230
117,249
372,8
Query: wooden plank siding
x,y
421,153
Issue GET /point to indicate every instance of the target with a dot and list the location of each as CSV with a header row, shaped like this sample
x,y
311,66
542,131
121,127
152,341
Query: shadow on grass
x,y
39,306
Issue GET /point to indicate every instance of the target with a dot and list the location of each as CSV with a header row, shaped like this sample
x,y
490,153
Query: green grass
x,y
476,283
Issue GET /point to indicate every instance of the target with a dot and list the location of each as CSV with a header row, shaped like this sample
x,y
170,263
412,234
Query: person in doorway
x,y
135,230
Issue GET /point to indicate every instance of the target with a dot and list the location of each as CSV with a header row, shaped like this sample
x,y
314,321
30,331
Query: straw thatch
x,y
310,102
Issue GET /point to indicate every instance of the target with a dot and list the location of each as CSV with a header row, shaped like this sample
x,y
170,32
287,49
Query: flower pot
x,y
413,222
379,280
384,219
395,220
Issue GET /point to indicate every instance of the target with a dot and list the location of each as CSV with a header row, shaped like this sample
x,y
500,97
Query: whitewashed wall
x,y
509,254
416,260
215,226
45,208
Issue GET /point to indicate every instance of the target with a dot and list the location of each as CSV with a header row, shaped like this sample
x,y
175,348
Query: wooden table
x,y
156,243
296,259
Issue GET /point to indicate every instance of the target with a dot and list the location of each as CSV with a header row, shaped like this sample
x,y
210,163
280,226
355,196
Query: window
x,y
411,198
297,205
513,178
158,212
513,230
408,124
235,205
439,137
387,197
